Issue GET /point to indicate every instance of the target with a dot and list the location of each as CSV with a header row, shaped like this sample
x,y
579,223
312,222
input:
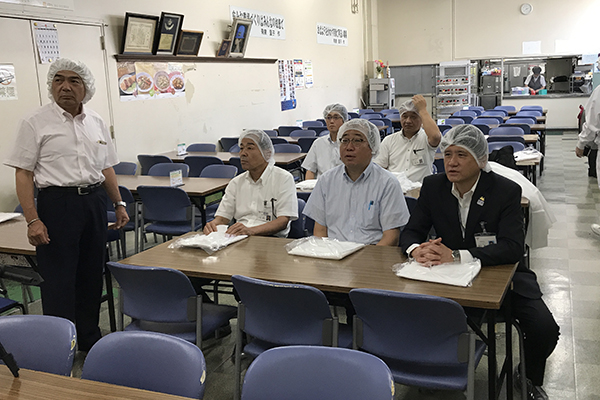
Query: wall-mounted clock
x,y
526,8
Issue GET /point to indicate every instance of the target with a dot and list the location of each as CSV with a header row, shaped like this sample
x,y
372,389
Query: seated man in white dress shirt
x,y
263,199
411,150
324,153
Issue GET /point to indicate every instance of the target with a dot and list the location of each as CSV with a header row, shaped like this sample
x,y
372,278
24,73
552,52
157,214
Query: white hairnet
x,y
365,127
408,105
262,140
471,139
336,108
64,64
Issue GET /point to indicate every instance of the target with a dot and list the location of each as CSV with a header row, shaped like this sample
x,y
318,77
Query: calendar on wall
x,y
46,39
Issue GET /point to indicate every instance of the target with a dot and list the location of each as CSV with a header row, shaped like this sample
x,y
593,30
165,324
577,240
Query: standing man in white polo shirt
x,y
263,199
65,149
324,153
411,150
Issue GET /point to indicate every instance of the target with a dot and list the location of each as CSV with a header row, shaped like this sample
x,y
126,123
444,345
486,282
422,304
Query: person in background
x,y
263,199
65,149
324,153
536,81
590,135
476,213
411,150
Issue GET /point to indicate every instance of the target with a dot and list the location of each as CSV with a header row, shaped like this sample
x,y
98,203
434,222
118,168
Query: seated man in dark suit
x,y
477,214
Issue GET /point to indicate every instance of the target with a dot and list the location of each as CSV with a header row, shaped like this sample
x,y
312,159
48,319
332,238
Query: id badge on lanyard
x,y
484,238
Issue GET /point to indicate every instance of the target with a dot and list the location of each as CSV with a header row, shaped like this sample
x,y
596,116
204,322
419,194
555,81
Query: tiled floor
x,y
568,271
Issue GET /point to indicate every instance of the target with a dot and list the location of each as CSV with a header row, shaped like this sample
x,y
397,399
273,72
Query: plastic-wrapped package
x,y
528,154
307,184
455,274
210,243
317,247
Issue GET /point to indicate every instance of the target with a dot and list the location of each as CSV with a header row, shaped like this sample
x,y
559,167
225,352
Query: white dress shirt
x,y
62,150
255,203
324,154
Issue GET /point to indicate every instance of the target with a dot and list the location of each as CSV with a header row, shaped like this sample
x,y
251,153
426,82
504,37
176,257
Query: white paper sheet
x,y
327,248
455,274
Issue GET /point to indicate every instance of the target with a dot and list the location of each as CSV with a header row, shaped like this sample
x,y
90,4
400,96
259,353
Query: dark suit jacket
x,y
497,202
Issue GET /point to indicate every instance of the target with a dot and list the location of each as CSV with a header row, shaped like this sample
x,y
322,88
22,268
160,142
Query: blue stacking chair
x,y
321,120
411,203
365,110
148,160
278,140
169,209
482,126
165,169
271,132
287,148
533,108
228,142
202,147
496,145
454,121
149,361
235,161
319,129
316,372
297,226
285,130
532,113
125,168
217,171
281,314
525,127
309,124
467,113
506,108
198,163
303,133
444,127
489,120
234,149
164,300
306,143
40,342
521,120
477,109
424,340
371,115
507,130
466,118
353,115
494,113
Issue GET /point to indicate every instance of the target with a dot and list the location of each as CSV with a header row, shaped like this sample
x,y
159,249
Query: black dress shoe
x,y
533,392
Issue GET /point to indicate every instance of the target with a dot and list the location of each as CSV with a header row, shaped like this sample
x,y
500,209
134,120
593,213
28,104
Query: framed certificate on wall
x,y
168,33
139,32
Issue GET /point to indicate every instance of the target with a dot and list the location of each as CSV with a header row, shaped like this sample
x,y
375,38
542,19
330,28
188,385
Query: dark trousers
x,y
73,262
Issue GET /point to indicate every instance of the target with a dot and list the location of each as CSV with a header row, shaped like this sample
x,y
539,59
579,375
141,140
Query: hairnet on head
x,y
471,139
365,127
64,64
336,108
408,105
262,140
536,70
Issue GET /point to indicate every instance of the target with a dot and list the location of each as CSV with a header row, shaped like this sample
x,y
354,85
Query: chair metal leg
x,y
111,300
237,394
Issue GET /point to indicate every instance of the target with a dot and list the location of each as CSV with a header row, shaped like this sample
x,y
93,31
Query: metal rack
x,y
456,87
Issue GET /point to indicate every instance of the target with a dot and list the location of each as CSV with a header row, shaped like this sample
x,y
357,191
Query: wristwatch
x,y
456,256
119,203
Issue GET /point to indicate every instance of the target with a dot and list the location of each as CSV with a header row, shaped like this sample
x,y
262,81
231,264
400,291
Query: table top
x,y
35,385
371,267
192,186
544,112
541,120
13,238
281,159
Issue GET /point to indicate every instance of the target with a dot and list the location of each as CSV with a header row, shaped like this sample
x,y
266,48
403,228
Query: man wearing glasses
x,y
324,153
358,201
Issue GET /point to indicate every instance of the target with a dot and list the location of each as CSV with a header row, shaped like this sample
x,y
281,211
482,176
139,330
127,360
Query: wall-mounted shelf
x,y
183,59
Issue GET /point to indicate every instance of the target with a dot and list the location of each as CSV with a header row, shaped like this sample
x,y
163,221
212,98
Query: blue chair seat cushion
x,y
214,316
172,228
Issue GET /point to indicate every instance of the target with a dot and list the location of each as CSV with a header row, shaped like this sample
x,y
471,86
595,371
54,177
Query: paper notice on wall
x,y
143,81
59,4
308,74
8,82
287,90
534,47
331,34
46,40
264,25
298,74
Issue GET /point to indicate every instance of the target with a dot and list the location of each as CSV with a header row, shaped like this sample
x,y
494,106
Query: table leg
x,y
200,203
492,367
509,356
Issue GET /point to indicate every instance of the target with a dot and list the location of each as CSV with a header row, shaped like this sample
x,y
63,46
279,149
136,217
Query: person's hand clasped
x,y
433,252
240,229
122,218
37,233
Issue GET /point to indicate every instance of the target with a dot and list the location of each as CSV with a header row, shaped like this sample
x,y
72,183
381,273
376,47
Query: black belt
x,y
80,190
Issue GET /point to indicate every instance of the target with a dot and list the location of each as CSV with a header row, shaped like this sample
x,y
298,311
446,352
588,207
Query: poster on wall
x,y
8,82
265,25
144,81
287,90
59,4
332,35
308,74
298,74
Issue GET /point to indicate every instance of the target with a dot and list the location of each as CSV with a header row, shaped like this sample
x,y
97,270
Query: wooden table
x,y
281,159
35,385
266,258
13,238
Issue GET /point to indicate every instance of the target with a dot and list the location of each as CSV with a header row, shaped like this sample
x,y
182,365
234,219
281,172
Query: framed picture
x,y
168,33
224,48
239,36
139,33
188,43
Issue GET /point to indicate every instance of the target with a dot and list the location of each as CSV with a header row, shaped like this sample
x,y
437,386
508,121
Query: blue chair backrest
x,y
165,203
454,121
148,160
316,372
494,113
282,313
125,168
371,115
489,120
476,108
271,132
303,133
466,118
508,138
531,113
40,342
305,143
444,127
278,140
468,113
507,130
324,133
285,130
164,169
287,148
521,120
365,110
207,147
526,128
318,129
321,120
198,163
147,360
227,142
352,115
500,144
506,108
482,127
377,122
297,226
535,108
219,171
234,149
235,161
306,124
411,203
